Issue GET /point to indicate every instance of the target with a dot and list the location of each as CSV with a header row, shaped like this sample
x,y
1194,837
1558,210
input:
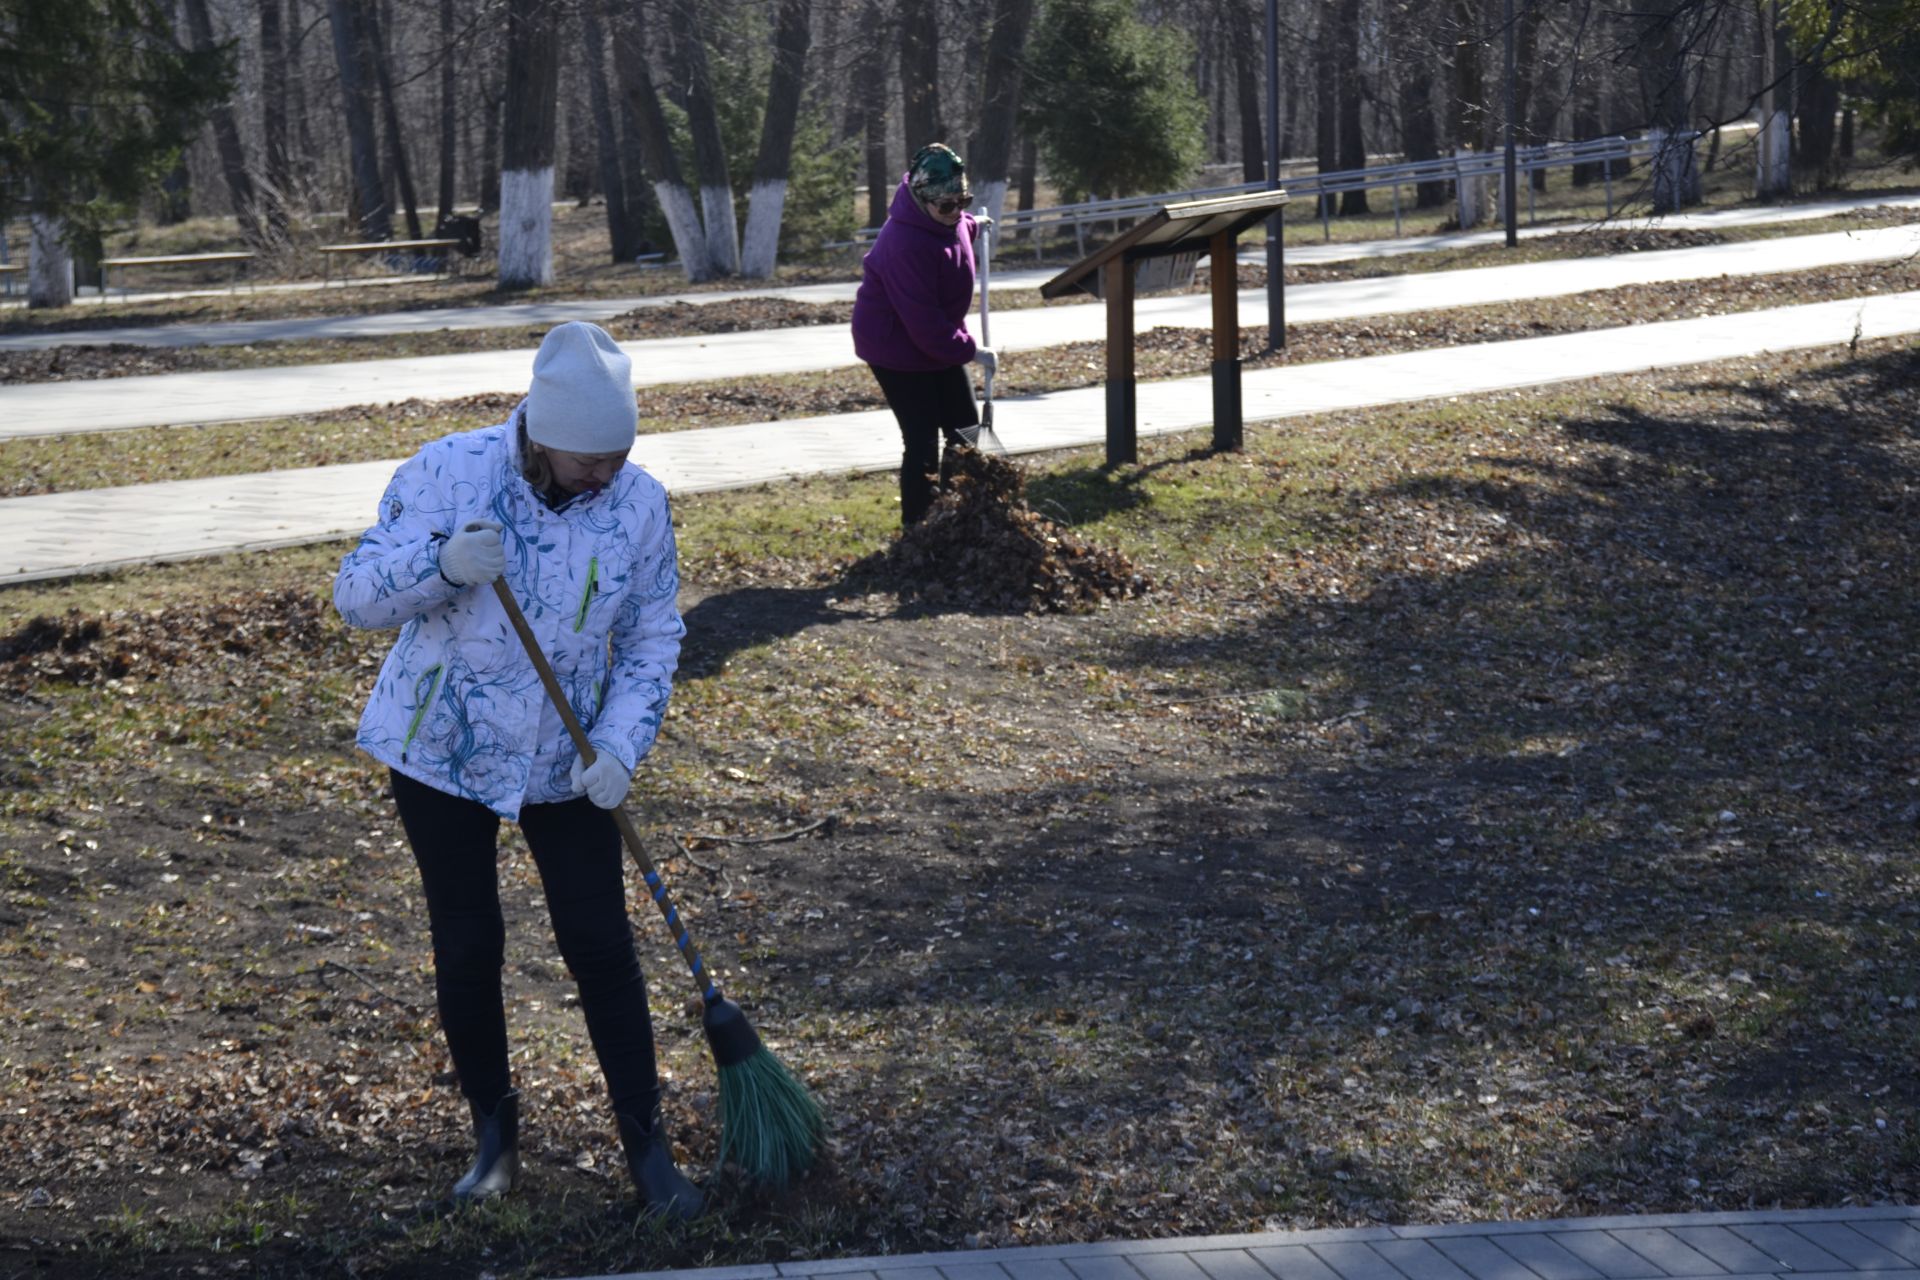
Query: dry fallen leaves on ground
x,y
1496,809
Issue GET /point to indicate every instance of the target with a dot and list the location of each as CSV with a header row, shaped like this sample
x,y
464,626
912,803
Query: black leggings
x,y
577,850
927,406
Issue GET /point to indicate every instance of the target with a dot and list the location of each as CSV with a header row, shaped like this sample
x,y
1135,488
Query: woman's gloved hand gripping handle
x,y
474,556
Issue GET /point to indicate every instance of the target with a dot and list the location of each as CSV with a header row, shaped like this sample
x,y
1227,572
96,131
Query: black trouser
x,y
577,850
927,406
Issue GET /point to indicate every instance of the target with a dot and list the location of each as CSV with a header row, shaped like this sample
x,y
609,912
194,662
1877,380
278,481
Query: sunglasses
x,y
951,204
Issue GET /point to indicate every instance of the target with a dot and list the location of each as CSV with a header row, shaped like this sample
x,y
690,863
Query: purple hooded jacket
x,y
915,289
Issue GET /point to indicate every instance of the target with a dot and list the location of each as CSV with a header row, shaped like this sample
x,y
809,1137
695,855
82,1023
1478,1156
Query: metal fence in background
x,y
1460,170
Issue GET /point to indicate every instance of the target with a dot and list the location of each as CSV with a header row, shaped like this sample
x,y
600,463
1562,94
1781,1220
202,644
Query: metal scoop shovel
x,y
982,437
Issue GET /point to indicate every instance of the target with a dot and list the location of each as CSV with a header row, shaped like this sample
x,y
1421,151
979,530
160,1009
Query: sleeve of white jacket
x,y
646,649
393,576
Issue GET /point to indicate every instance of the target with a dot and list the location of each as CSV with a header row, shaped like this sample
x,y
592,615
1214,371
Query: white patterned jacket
x,y
458,704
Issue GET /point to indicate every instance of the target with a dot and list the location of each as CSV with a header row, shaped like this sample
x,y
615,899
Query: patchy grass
x,y
43,464
1495,811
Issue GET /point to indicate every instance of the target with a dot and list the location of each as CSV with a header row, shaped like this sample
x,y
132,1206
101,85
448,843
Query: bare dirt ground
x,y
1493,809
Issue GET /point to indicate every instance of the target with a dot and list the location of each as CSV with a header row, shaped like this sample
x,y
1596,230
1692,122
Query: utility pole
x,y
1507,201
1276,250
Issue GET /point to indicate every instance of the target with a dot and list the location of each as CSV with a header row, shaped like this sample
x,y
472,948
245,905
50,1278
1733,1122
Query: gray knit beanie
x,y
581,400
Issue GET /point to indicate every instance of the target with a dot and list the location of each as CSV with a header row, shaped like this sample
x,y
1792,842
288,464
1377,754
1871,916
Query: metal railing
x,y
1322,187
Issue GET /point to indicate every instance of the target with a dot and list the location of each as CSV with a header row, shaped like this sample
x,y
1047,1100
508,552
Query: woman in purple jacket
x,y
910,317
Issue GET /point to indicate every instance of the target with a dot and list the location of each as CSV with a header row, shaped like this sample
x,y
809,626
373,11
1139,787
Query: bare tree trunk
x,y
49,263
1467,116
1353,144
621,233
1586,124
1527,87
1290,116
767,201
226,135
175,202
709,148
526,153
1819,104
490,152
992,160
1662,53
302,159
1326,97
448,127
872,76
1026,175
580,177
656,147
636,188
1419,126
273,111
357,84
920,72
1253,146
396,140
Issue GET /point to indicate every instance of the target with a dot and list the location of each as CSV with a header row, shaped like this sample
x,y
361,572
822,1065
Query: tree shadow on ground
x,y
727,622
1084,495
1646,898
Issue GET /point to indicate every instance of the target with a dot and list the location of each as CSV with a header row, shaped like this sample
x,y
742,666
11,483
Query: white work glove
x,y
605,780
984,357
474,556
983,220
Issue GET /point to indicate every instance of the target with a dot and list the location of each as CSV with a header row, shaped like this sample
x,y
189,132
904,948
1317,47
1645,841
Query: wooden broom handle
x,y
709,990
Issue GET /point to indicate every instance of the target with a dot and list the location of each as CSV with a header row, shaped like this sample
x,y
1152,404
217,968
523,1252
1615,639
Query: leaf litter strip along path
x,y
241,394
238,332
64,534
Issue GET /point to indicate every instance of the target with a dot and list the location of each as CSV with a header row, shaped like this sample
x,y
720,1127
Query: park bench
x,y
238,259
435,249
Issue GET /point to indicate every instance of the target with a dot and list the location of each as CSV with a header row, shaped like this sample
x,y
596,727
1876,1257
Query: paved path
x,y
1880,1243
1010,276
59,535
235,395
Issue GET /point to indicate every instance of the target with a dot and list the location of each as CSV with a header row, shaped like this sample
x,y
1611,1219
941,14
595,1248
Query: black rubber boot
x,y
496,1161
663,1188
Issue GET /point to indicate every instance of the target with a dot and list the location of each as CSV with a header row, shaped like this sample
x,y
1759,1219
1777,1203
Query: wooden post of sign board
x,y
1122,446
1224,283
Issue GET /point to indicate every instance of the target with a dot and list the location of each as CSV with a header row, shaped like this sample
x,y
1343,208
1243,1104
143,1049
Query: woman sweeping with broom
x,y
546,504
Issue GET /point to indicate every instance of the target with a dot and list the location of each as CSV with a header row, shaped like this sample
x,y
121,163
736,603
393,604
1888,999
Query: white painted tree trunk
x,y
723,238
1676,174
993,195
526,227
49,264
1773,144
1471,196
766,205
683,221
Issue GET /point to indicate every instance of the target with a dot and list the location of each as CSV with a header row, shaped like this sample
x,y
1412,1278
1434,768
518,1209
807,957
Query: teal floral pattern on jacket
x,y
457,704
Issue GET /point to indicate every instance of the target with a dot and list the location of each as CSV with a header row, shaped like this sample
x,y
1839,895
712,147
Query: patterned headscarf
x,y
936,171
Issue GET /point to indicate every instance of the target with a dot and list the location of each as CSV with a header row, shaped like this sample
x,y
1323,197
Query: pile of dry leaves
x,y
981,546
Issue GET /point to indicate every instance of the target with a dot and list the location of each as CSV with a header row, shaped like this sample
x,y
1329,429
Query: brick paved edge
x,y
1271,1239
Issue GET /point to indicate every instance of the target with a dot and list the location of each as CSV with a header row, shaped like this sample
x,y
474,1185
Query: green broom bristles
x,y
769,1124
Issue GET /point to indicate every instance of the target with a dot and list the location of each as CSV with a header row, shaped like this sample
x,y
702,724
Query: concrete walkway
x,y
1010,276
59,535
242,394
1879,1243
